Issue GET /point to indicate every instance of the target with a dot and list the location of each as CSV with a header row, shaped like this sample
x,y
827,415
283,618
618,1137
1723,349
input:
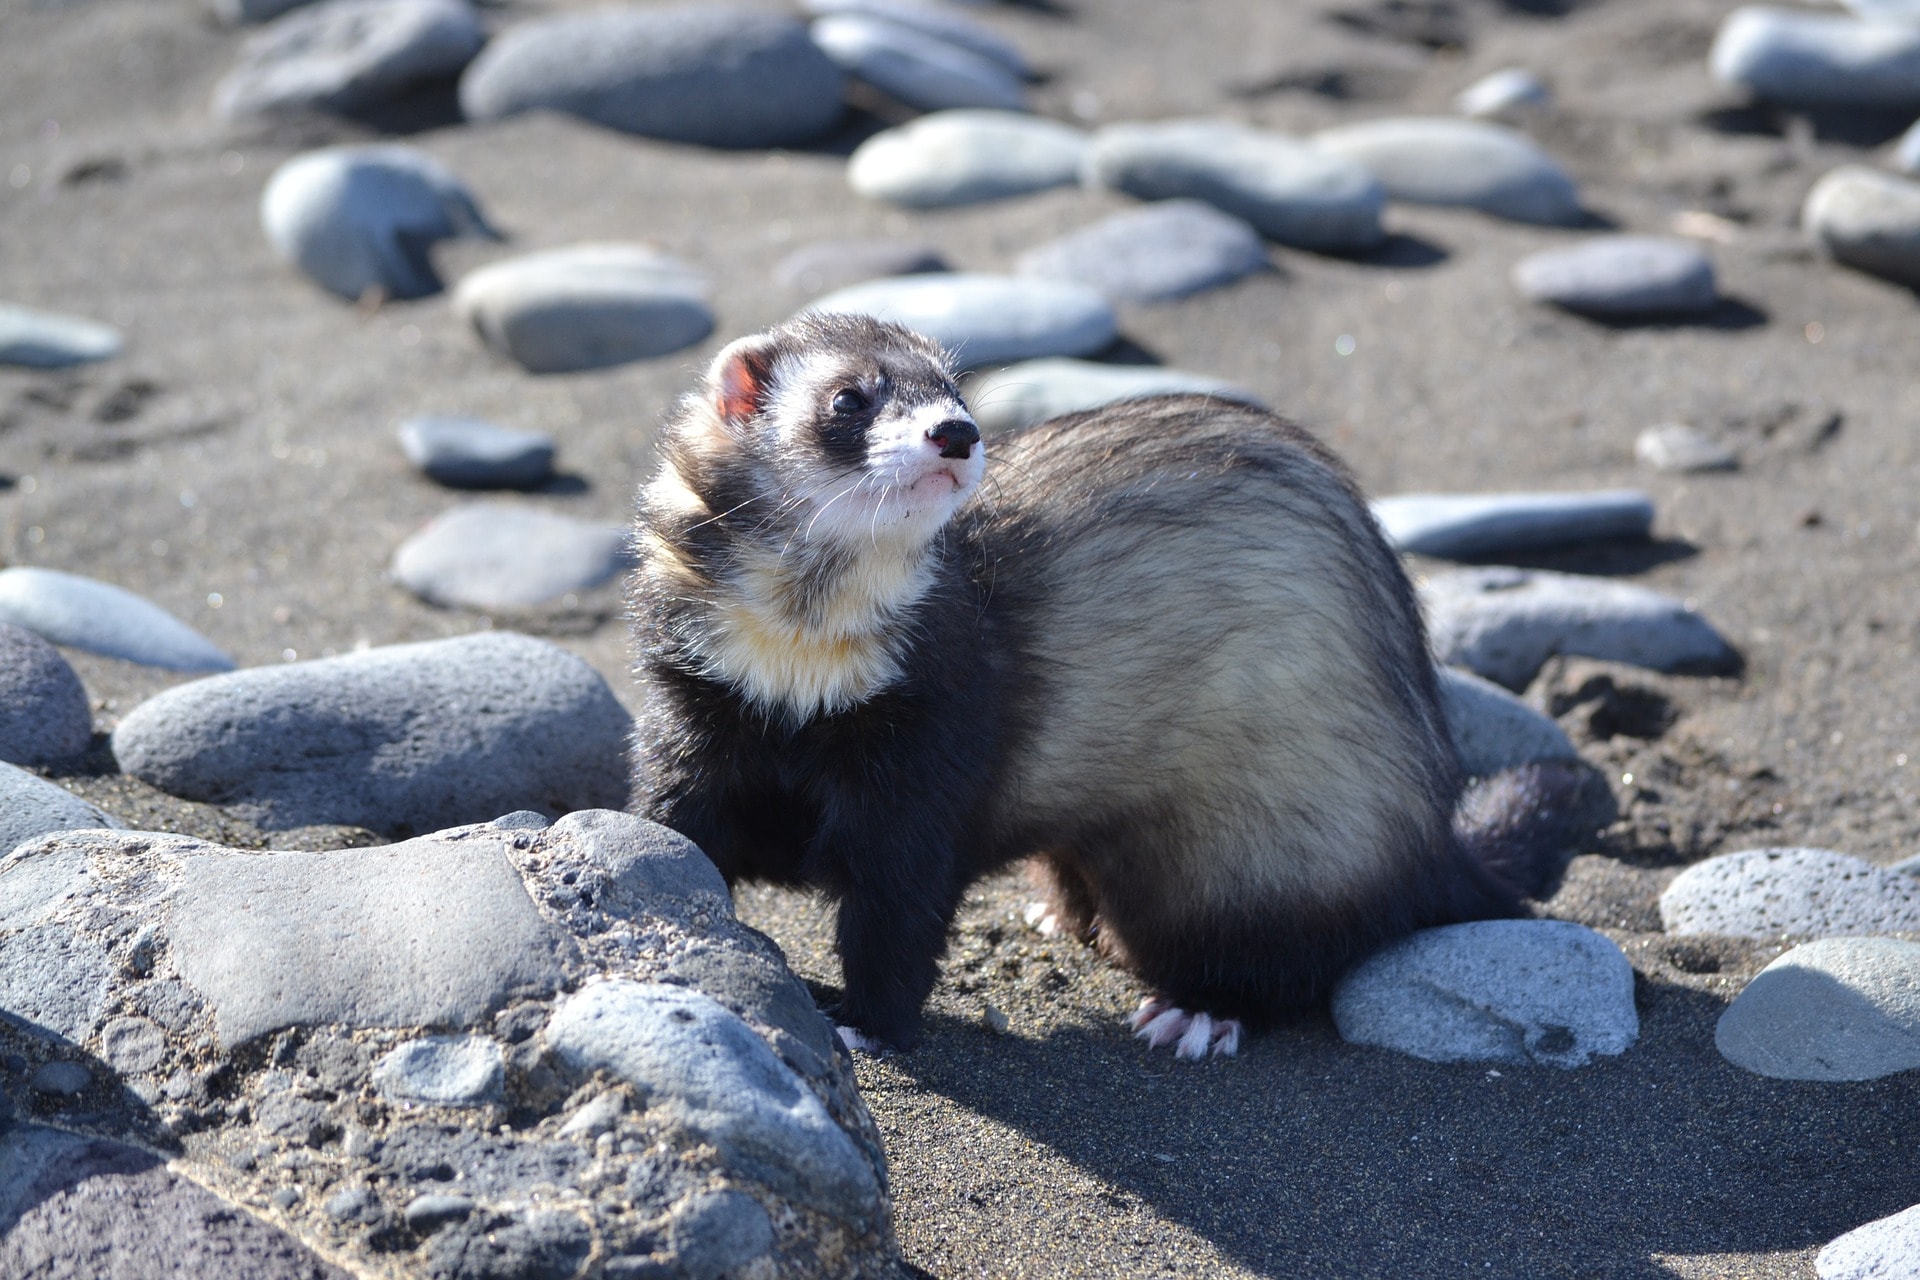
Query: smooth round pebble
x,y
1884,1249
428,1213
1155,254
443,1071
586,307
966,157
833,264
47,340
715,74
82,613
44,712
1442,161
1510,91
982,319
356,219
1867,219
1804,59
940,22
1683,449
348,55
31,807
1493,730
1836,1009
1291,192
919,69
468,453
1621,278
1466,525
1035,390
491,556
1790,892
133,1045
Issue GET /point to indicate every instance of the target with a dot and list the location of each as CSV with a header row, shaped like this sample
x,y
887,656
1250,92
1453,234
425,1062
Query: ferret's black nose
x,y
955,437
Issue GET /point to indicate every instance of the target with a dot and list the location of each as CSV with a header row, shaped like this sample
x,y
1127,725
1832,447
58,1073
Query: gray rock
x,y
1507,92
1154,254
467,453
718,75
1464,525
1543,991
596,1117
966,157
1621,278
919,69
348,55
428,1213
1881,1250
707,1069
538,1245
422,933
1803,59
642,861
356,219
1906,152
716,1233
61,1078
55,979
833,264
45,340
1868,219
133,1045
1684,449
586,307
1790,892
491,556
44,713
1035,390
1836,1009
417,736
1493,730
984,319
443,1071
81,613
1443,161
1291,192
30,807
1504,623
940,22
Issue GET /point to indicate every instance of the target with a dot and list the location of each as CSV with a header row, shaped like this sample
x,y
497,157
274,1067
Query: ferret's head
x,y
830,431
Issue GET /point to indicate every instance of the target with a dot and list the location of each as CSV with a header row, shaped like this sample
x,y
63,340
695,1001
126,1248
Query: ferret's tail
x,y
1522,824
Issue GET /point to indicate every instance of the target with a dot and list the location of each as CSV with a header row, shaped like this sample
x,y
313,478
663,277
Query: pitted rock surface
x,y
1797,893
44,714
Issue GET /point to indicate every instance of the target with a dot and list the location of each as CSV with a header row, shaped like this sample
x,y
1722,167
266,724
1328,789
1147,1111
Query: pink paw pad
x,y
1192,1035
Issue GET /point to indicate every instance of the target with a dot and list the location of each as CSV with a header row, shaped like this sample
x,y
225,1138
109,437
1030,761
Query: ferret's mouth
x,y
943,480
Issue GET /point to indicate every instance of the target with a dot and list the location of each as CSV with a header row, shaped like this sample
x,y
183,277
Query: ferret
x,y
1164,652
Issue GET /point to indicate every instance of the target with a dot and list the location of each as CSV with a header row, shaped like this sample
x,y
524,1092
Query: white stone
x,y
1035,390
1806,59
1790,892
1442,161
348,55
443,1071
45,340
982,319
586,307
1885,1249
935,20
1493,730
1836,1009
493,556
1867,219
1510,91
100,618
965,157
1621,278
920,70
1465,525
1678,447
1157,253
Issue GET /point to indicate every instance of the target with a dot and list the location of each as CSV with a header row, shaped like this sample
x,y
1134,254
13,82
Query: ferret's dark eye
x,y
848,401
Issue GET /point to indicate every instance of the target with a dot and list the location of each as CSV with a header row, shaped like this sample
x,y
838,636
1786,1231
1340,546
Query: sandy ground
x,y
237,465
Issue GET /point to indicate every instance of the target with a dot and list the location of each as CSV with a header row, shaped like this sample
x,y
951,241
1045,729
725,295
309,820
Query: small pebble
x,y
81,613
1493,730
133,1045
1868,219
443,1071
833,264
966,157
939,22
490,556
1467,525
1803,59
467,453
1683,449
1443,161
1836,1009
31,807
918,68
1621,278
1509,92
1790,892
426,1214
984,320
44,712
1155,254
60,1078
586,307
347,55
596,1117
1035,390
284,1198
1884,1249
45,340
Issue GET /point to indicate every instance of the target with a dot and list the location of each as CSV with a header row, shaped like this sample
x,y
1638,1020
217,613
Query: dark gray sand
x,y
237,465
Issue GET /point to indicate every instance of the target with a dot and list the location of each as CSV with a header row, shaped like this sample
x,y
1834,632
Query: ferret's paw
x,y
859,1043
1040,916
1192,1035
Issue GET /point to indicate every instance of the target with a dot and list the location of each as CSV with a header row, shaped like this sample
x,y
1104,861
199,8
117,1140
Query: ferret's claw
x,y
859,1043
1041,917
1192,1035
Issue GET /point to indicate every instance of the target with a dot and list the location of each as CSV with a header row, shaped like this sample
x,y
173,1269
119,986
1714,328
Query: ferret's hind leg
x,y
1160,1022
1066,904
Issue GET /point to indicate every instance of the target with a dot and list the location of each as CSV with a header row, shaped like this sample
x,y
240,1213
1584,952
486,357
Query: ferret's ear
x,y
740,379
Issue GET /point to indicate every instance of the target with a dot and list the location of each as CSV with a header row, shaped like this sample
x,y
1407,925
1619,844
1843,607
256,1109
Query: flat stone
x,y
1464,525
1508,92
1803,59
921,70
1542,991
586,307
31,807
833,264
1682,449
715,74
356,219
1790,892
941,22
348,55
983,319
1836,1009
1883,1249
1442,161
60,1078
467,453
44,712
443,1071
1035,390
1621,278
1493,730
1154,254
46,340
708,1070
491,556
1291,192
421,933
81,613
406,737
1868,219
966,157
1504,623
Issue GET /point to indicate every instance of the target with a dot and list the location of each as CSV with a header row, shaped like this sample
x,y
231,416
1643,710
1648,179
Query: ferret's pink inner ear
x,y
742,384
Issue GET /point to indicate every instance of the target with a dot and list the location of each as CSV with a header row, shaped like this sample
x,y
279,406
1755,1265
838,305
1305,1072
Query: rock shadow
x,y
1609,558
433,104
1729,315
1400,250
1858,127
